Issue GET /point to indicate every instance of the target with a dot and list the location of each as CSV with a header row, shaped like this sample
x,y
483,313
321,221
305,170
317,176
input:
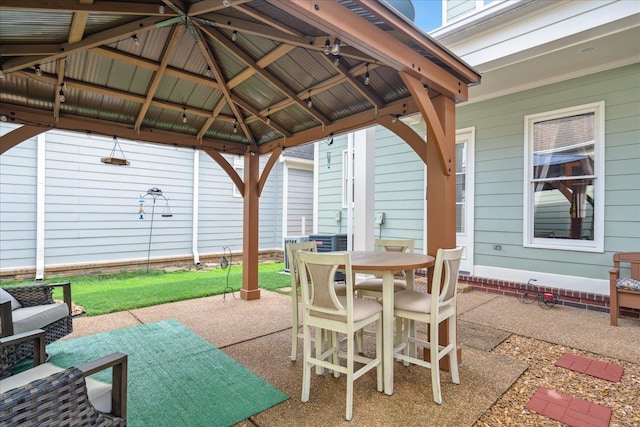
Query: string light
x,y
136,40
61,93
235,126
327,47
226,3
1,73
161,8
336,47
309,101
184,115
38,71
395,118
234,35
336,61
208,73
268,117
367,77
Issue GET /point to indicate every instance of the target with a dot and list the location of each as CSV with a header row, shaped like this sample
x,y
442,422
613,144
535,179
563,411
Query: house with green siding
x,y
547,158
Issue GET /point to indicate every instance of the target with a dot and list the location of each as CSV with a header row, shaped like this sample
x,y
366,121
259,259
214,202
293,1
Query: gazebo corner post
x,y
250,289
441,196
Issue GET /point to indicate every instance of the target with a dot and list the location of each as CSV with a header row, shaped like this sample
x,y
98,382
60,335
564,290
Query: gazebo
x,y
246,77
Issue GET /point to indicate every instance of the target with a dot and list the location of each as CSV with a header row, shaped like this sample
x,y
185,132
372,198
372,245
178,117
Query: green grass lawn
x,y
126,291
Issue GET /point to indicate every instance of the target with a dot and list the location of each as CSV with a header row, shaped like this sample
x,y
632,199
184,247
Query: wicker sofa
x,y
25,308
50,395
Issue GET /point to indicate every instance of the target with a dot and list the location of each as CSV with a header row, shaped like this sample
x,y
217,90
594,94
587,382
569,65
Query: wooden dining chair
x,y
373,287
413,306
323,309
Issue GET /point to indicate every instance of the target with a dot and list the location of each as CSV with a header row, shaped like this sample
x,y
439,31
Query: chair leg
x,y
453,354
379,370
306,369
350,354
435,362
614,309
319,344
295,329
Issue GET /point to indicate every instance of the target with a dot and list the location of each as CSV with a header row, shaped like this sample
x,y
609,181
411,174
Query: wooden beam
x,y
354,122
44,120
244,57
410,31
408,135
78,24
275,154
105,37
217,73
18,135
128,8
356,31
176,32
434,122
228,168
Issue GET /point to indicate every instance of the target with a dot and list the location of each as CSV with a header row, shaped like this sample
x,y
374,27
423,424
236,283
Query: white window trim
x,y
238,165
597,245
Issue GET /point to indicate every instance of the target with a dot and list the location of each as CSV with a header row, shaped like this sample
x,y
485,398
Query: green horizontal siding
x,y
499,125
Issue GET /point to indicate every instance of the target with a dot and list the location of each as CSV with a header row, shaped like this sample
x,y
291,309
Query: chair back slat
x,y
292,251
445,275
317,281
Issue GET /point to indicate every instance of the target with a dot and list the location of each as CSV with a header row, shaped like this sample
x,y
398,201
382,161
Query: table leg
x,y
387,336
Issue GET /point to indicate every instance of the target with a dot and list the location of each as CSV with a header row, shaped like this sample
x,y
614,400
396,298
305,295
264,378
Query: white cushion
x,y
27,319
99,392
6,296
412,301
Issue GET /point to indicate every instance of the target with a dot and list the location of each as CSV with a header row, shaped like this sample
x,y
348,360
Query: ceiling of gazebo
x,y
232,75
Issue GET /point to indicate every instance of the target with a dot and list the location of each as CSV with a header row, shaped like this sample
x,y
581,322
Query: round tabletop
x,y
387,260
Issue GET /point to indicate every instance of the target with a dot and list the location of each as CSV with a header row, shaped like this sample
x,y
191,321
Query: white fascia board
x,y
555,21
297,163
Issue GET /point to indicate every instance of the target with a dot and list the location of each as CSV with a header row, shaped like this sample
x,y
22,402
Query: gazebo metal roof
x,y
246,77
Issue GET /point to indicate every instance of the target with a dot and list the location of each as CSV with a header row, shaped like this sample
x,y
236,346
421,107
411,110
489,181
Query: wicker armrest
x,y
6,319
38,337
118,362
40,294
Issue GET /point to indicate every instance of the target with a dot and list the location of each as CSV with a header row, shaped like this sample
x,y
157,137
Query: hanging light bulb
x,y
235,126
268,117
161,8
234,35
226,3
61,93
395,118
136,40
38,71
336,47
184,115
1,73
327,47
336,61
309,101
367,77
208,73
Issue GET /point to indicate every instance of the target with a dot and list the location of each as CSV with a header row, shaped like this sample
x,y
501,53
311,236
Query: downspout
x,y
40,205
195,207
349,167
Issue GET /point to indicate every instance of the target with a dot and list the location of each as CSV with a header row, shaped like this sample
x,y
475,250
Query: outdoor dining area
x,y
508,350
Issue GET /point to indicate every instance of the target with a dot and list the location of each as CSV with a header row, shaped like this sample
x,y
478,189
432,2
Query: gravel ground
x,y
623,397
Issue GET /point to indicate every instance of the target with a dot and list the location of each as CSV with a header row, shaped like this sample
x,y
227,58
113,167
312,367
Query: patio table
x,y
387,264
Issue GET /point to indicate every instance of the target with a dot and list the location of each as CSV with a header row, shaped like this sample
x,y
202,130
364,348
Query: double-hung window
x,y
564,179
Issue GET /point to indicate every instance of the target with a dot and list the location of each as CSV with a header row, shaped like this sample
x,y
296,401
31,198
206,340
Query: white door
x,y
464,196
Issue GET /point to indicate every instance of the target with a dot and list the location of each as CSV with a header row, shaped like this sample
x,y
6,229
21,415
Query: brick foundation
x,y
119,267
576,299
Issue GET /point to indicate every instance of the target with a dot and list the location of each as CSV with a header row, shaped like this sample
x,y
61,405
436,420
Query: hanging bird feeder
x,y
112,160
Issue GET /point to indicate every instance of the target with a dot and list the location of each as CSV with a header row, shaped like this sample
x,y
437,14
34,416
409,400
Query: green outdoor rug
x,y
175,378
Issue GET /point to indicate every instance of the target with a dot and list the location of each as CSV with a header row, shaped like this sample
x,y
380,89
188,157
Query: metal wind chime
x,y
154,193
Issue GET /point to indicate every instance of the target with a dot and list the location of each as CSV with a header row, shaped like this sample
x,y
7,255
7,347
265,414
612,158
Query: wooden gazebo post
x,y
250,227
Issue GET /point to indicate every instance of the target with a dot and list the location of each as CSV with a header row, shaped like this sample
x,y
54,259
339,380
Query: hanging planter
x,y
112,160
